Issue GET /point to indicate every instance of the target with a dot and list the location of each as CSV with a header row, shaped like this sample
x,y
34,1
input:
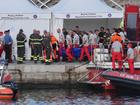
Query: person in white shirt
x,y
61,37
85,47
121,33
94,38
69,46
93,41
130,58
69,38
61,41
117,53
76,40
85,39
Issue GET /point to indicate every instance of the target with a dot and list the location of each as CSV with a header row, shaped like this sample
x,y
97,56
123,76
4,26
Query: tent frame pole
x,y
33,3
44,4
117,4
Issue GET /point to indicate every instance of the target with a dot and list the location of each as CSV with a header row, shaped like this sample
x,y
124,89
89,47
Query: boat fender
x,y
107,82
7,77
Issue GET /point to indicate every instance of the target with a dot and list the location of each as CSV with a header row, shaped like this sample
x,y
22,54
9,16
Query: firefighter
x,y
36,44
76,40
130,58
117,54
8,46
47,46
54,43
40,53
21,39
32,51
69,46
85,47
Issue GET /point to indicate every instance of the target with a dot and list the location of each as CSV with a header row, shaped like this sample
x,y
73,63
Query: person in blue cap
x,y
8,45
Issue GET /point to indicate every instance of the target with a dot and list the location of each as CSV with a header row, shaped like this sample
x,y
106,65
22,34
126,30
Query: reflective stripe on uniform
x,y
20,45
19,59
48,60
36,43
20,41
35,58
40,58
36,39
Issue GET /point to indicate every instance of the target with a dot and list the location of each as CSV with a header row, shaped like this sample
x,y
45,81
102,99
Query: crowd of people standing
x,y
71,45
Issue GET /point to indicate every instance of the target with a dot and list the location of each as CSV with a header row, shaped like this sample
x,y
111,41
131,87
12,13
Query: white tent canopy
x,y
21,9
85,9
17,14
18,6
89,14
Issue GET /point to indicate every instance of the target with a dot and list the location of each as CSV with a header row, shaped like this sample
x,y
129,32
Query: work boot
x,y
31,59
19,62
48,63
24,58
42,61
55,60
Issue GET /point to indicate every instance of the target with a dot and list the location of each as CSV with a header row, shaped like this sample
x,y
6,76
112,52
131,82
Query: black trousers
x,y
48,52
37,51
32,53
20,53
8,52
24,53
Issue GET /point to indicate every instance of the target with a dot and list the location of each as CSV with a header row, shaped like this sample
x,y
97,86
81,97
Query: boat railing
x,y
103,52
97,66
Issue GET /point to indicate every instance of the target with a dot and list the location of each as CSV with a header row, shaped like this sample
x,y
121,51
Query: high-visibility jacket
x,y
35,39
21,39
116,37
46,42
53,39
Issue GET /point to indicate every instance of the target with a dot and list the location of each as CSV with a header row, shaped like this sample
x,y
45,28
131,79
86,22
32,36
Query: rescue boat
x,y
8,89
122,79
100,72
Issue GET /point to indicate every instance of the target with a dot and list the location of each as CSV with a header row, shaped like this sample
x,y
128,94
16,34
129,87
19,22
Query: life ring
x,y
7,77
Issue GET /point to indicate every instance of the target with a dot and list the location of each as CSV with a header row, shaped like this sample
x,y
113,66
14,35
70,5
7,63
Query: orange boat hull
x,y
6,93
